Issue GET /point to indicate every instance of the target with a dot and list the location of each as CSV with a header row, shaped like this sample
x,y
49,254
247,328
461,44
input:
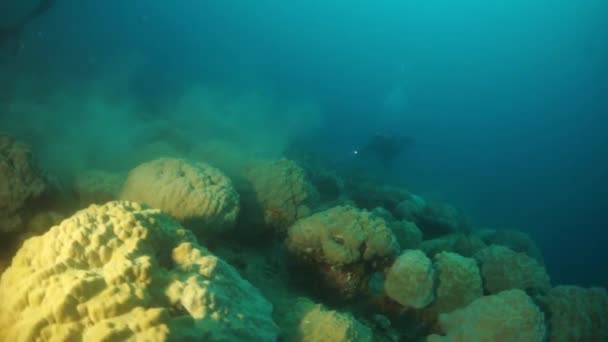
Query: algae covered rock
x,y
504,317
199,196
123,271
22,184
410,281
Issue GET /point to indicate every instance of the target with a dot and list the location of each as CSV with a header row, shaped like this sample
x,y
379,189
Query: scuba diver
x,y
383,148
10,35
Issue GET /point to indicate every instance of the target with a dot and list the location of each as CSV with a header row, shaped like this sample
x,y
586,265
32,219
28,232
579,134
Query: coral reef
x,y
122,271
200,196
288,251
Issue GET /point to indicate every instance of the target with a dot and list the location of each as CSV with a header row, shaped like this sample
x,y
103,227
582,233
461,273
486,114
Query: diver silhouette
x,y
10,35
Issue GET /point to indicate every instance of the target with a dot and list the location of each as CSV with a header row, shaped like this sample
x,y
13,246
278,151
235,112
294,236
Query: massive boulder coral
x,y
123,271
22,184
410,281
577,314
504,317
459,283
345,244
280,194
198,195
504,269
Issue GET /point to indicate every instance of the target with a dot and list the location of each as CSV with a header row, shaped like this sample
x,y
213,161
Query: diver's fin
x,y
10,39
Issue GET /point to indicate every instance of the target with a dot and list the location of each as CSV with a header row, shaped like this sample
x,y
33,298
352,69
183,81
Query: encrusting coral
x,y
123,271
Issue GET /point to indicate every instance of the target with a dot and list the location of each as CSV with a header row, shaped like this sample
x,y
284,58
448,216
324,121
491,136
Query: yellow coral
x,y
124,272
198,195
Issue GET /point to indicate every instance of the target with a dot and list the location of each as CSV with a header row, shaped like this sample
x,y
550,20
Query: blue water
x,y
507,100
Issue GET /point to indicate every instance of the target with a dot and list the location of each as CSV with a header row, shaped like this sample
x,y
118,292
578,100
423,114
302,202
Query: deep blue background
x,y
507,100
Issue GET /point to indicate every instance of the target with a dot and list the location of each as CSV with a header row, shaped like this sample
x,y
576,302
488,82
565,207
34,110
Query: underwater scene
x,y
223,170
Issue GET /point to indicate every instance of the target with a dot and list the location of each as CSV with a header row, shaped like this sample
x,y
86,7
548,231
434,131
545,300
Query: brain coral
x,y
504,269
124,272
508,316
410,280
282,192
201,197
577,314
345,243
21,183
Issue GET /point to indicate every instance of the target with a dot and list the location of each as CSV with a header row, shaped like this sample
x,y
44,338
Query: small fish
x,y
10,36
